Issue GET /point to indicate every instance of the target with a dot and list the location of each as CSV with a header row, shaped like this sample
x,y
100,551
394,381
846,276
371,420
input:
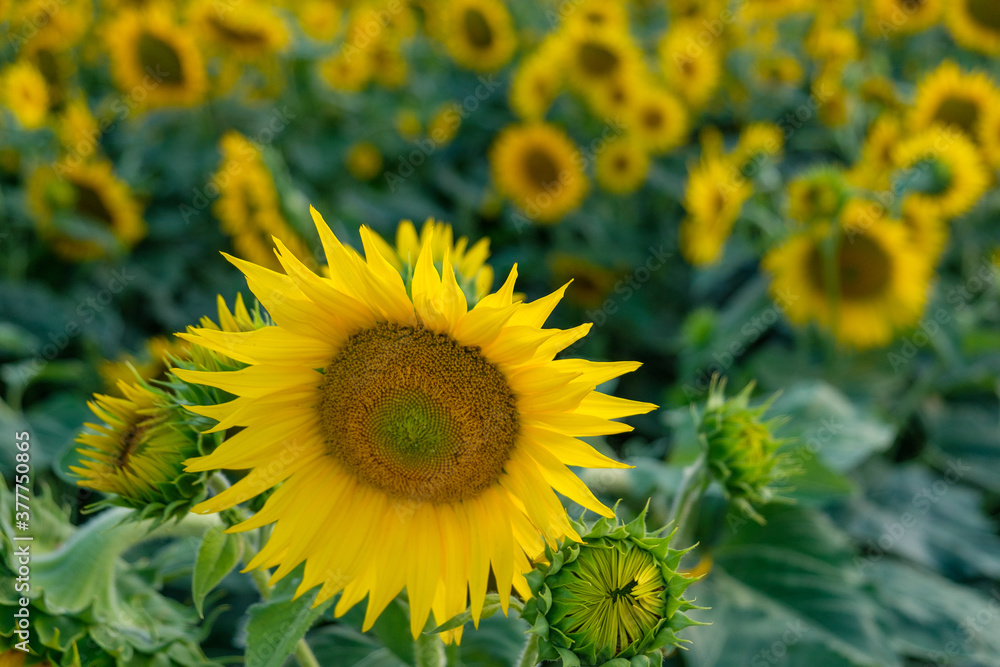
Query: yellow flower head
x,y
873,168
106,216
253,32
150,51
947,96
346,73
364,160
658,119
479,34
949,173
975,24
401,421
903,16
622,166
589,283
599,57
539,168
51,25
861,279
691,67
817,195
24,91
537,82
713,199
320,19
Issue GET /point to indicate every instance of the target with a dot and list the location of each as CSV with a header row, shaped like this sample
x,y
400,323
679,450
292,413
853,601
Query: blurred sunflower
x,y
713,198
537,82
658,120
479,34
590,283
104,215
692,69
53,25
449,459
989,135
444,124
947,96
873,168
944,169
151,365
77,128
320,19
975,24
388,67
596,57
248,207
879,279
150,51
616,97
346,74
927,231
540,169
57,66
906,16
757,141
764,10
817,195
254,33
25,93
364,160
622,166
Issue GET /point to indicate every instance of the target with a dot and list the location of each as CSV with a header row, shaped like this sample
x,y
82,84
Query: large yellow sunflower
x,y
952,170
540,169
479,34
879,279
975,24
598,57
948,96
416,441
106,217
152,53
25,93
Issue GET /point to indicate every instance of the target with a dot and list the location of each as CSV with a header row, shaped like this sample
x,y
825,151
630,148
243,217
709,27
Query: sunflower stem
x,y
693,485
529,655
428,651
305,655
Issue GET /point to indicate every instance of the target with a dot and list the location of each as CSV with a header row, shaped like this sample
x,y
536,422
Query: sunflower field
x,y
611,333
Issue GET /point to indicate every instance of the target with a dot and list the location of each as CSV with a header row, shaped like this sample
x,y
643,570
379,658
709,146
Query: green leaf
x,y
787,593
490,606
218,554
276,626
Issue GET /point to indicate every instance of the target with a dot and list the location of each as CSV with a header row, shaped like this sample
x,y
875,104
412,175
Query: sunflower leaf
x,y
218,554
490,607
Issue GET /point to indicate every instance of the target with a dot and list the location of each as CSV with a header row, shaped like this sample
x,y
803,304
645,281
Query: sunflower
x,y
906,16
691,68
713,199
622,166
948,96
975,24
764,10
364,160
77,128
444,124
51,25
780,69
84,212
757,141
25,93
248,207
151,51
589,283
928,233
989,136
479,34
253,33
407,123
537,82
540,169
474,275
139,451
874,165
658,120
320,19
57,66
817,195
345,74
411,425
598,58
879,279
949,174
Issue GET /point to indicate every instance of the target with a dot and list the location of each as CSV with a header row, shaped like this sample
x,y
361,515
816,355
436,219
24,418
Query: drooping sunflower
x,y
975,24
904,16
540,169
401,422
622,166
879,279
947,96
947,168
151,51
479,34
692,69
25,93
105,217
254,33
714,196
658,119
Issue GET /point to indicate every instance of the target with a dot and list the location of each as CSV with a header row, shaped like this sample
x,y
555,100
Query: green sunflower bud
x,y
817,195
616,597
743,454
137,454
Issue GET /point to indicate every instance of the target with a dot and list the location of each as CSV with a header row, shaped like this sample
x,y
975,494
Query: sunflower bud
x,y
742,450
137,454
616,596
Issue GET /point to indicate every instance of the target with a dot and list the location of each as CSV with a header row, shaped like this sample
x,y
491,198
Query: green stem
x,y
693,485
305,655
428,651
529,656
